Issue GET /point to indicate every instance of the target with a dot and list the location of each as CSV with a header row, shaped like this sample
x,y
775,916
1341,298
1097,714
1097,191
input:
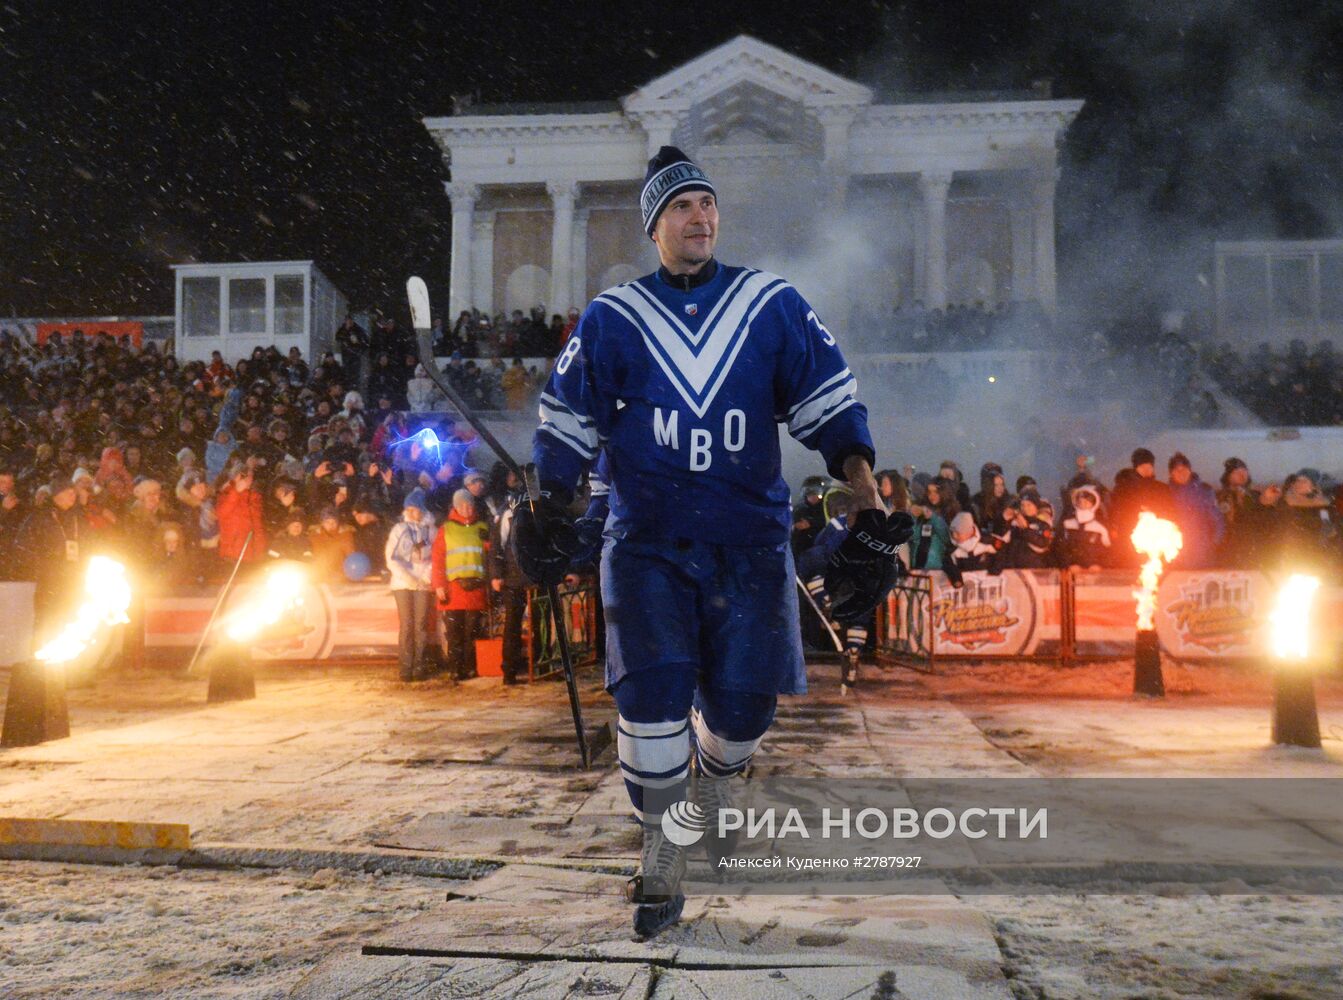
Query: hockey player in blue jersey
x,y
811,567
680,378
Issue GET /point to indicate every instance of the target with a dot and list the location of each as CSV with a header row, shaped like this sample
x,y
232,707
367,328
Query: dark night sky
x,y
135,135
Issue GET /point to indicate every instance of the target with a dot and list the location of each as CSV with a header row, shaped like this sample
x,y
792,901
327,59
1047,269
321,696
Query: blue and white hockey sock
x,y
655,762
855,637
816,588
653,737
719,755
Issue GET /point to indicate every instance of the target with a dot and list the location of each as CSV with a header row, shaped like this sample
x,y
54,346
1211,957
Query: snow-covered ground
x,y
346,758
91,931
1184,943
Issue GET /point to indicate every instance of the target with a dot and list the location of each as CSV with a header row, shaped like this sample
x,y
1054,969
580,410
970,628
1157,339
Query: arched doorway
x,y
618,274
526,288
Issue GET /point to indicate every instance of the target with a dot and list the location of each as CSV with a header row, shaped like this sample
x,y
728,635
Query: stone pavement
x,y
345,760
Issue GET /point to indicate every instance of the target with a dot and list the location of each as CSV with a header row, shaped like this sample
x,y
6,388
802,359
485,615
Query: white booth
x,y
233,308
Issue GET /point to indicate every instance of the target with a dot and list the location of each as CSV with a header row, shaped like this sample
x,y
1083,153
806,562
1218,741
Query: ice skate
x,y
657,888
711,795
849,677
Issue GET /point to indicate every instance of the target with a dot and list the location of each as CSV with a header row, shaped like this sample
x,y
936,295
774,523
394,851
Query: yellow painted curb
x,y
95,833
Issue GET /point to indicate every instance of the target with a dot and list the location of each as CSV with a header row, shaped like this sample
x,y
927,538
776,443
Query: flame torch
x,y
35,709
1160,541
1296,720
261,614
107,597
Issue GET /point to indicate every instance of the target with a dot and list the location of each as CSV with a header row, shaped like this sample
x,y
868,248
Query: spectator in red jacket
x,y
239,509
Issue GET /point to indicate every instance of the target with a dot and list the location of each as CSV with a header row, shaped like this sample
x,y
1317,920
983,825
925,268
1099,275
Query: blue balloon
x,y
356,566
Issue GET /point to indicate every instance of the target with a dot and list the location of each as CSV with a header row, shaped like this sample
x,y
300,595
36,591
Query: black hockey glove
x,y
862,571
544,542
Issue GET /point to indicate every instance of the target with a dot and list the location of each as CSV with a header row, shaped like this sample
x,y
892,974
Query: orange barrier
x,y
91,328
342,621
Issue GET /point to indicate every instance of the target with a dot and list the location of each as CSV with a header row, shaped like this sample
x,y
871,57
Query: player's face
x,y
687,231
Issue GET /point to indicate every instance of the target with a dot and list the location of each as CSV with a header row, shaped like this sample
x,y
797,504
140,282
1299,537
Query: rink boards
x,y
1212,614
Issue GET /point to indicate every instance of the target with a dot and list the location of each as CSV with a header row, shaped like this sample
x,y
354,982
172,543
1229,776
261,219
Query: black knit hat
x,y
1230,466
1141,456
669,173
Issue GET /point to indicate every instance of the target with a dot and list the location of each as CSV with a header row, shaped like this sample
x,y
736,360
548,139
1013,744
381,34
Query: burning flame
x,y
1291,618
107,595
280,593
1159,541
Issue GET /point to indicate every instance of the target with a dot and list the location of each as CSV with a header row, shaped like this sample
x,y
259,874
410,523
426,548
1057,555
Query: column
x,y
934,187
563,194
579,297
463,211
658,126
918,230
1023,248
836,124
1042,197
482,262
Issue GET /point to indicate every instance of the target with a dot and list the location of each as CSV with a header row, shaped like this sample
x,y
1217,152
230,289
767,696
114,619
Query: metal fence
x,y
578,607
904,622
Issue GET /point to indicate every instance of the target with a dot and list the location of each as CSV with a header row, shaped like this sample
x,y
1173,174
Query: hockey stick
x,y
418,293
561,632
219,603
834,636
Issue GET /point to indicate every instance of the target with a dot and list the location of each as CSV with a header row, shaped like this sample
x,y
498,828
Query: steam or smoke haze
x,y
1204,122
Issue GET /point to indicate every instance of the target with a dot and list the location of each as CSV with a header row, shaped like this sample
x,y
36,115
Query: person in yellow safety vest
x,y
458,575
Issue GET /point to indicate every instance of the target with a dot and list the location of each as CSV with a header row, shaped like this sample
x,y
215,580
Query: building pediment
x,y
745,61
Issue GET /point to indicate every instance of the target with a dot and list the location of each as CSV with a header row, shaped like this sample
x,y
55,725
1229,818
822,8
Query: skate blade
x,y
651,919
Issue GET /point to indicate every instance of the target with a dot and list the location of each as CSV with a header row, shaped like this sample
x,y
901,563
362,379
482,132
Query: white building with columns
x,y
863,204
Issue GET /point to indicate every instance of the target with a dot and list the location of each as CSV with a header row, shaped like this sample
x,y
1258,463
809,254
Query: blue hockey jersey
x,y
683,388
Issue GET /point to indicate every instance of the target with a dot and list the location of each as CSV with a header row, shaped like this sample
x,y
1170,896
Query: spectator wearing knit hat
x,y
1237,489
51,549
1195,511
1136,489
407,554
1031,538
332,541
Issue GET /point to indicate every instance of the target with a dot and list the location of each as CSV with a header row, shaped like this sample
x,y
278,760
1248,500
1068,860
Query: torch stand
x,y
1147,679
232,677
1295,719
35,710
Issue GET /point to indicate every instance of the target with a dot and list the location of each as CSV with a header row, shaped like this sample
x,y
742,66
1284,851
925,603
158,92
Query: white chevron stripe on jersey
x,y
693,336
579,433
698,375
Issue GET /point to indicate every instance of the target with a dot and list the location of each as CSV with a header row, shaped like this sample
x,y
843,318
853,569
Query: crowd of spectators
x,y
186,468
175,464
974,326
1000,523
476,334
386,361
1292,387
